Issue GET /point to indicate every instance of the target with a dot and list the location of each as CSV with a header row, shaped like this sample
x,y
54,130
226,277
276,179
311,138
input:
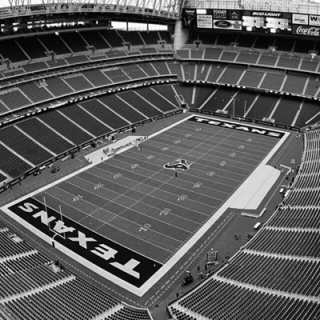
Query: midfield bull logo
x,y
179,165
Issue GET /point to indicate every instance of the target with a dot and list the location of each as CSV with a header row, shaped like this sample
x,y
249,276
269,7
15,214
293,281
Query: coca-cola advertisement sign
x,y
306,30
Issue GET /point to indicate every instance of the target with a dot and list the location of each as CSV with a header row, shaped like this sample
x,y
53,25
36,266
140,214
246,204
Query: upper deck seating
x,y
151,37
10,50
54,43
112,37
93,38
74,41
133,37
32,47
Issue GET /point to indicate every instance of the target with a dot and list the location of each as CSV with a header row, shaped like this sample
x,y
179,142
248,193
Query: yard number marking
x,y
76,198
145,227
165,211
98,186
117,175
182,197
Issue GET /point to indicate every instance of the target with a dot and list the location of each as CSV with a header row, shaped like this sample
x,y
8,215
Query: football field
x,y
133,216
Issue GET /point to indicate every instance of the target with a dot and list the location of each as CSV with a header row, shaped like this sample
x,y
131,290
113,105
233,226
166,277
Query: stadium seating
x,y
44,135
150,38
9,49
54,44
96,77
14,99
109,111
85,120
93,38
112,37
12,164
24,146
34,92
77,82
32,47
65,127
74,41
58,87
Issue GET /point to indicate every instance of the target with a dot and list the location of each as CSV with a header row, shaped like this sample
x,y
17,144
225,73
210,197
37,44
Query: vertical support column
x,y
180,35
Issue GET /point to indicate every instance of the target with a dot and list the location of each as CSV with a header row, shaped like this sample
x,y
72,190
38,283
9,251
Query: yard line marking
x,y
118,215
186,141
193,168
129,207
124,231
180,187
170,201
166,182
221,156
148,205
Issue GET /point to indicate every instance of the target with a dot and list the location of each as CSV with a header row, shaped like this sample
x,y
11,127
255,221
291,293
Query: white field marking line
x,y
217,162
185,173
157,188
227,144
225,150
132,222
193,169
154,153
201,213
192,258
214,218
201,134
160,144
218,154
212,153
173,185
190,173
186,141
259,140
133,235
51,253
147,205
129,207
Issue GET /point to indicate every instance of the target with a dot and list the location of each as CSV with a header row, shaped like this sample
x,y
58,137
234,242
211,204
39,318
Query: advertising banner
x,y
227,24
234,14
204,21
219,14
310,31
314,20
189,18
300,19
266,14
